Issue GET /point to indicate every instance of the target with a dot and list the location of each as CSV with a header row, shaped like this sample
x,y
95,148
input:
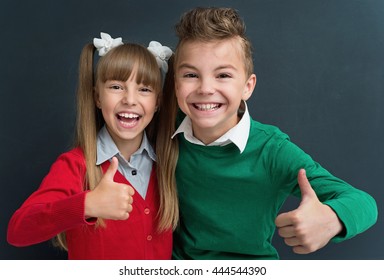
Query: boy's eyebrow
x,y
225,66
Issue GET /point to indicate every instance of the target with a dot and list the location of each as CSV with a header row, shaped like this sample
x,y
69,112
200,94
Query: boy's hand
x,y
109,200
310,226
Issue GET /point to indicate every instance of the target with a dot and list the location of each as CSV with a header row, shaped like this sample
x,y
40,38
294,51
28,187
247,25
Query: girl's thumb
x,y
110,173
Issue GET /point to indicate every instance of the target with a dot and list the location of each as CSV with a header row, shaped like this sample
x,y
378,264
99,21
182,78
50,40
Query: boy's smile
x,y
211,82
207,107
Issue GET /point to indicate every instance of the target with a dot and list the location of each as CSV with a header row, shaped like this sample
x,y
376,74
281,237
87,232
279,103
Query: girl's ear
x,y
249,87
158,101
96,97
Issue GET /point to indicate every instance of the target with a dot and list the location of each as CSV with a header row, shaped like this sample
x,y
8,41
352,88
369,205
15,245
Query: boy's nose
x,y
206,87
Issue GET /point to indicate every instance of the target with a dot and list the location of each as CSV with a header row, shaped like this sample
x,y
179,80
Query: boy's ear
x,y
249,87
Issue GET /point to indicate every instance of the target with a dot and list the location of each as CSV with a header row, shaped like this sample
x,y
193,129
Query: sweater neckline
x,y
119,178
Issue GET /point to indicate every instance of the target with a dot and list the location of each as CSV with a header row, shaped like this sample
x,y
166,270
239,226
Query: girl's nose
x,y
129,97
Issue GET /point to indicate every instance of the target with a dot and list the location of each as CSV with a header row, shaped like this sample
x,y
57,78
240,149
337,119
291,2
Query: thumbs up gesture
x,y
109,200
310,226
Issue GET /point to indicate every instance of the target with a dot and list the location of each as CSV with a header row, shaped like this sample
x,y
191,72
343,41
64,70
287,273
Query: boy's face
x,y
211,82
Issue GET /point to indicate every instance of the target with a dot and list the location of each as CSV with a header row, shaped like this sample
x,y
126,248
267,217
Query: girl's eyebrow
x,y
186,65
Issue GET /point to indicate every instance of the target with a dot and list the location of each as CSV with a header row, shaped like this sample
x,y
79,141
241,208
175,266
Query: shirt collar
x,y
237,135
106,147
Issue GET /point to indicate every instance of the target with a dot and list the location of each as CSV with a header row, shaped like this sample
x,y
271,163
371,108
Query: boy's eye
x,y
224,75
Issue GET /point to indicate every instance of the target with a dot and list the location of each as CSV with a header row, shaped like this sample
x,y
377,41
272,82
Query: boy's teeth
x,y
206,107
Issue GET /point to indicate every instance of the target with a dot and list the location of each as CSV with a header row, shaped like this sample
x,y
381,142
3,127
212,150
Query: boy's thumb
x,y
305,187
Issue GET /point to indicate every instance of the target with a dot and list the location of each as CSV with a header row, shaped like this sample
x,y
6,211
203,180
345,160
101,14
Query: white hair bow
x,y
106,43
162,54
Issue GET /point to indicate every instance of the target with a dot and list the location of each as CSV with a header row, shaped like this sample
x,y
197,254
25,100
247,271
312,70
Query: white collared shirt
x,y
237,135
137,170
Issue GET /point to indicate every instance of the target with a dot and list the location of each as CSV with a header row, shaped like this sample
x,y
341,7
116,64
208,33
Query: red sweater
x,y
58,206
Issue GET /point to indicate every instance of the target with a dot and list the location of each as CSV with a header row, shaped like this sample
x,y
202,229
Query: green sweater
x,y
229,200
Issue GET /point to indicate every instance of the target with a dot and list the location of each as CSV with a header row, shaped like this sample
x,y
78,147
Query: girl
x,y
102,199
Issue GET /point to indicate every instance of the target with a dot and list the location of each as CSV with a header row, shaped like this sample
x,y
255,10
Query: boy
x,y
234,173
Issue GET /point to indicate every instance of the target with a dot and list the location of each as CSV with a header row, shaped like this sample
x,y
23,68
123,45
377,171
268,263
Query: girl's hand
x,y
310,226
109,200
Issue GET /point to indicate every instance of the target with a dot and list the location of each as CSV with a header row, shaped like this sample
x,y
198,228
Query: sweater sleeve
x,y
356,209
56,206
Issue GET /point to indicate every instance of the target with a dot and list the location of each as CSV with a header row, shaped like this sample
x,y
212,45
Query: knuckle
x,y
129,208
123,215
296,217
131,191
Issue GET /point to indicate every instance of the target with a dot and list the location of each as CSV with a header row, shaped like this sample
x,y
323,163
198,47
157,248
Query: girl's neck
x,y
127,147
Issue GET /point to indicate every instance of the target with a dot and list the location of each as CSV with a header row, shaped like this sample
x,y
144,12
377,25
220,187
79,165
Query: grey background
x,y
320,71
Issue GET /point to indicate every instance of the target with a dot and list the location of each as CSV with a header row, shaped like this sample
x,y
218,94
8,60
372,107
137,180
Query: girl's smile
x,y
128,120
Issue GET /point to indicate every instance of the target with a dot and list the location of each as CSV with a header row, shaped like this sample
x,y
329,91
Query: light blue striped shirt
x,y
137,170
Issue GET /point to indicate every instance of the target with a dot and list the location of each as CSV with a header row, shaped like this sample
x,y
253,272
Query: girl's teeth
x,y
128,115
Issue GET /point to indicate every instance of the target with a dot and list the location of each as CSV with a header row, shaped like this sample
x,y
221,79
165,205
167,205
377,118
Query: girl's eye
x,y
145,89
189,75
115,87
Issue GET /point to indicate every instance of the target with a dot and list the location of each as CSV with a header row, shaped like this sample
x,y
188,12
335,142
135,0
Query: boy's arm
x,y
312,225
355,209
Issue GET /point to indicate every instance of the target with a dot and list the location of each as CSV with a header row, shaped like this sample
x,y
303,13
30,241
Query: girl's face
x,y
127,109
210,83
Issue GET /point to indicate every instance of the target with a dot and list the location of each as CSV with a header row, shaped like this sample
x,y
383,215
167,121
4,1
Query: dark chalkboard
x,y
320,70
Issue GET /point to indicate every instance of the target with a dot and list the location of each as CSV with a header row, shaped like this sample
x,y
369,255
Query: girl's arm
x,y
56,206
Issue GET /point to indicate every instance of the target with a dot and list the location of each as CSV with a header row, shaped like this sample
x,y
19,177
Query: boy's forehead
x,y
214,54
219,48
215,44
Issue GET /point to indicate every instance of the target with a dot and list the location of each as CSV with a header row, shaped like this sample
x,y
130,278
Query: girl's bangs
x,y
121,62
